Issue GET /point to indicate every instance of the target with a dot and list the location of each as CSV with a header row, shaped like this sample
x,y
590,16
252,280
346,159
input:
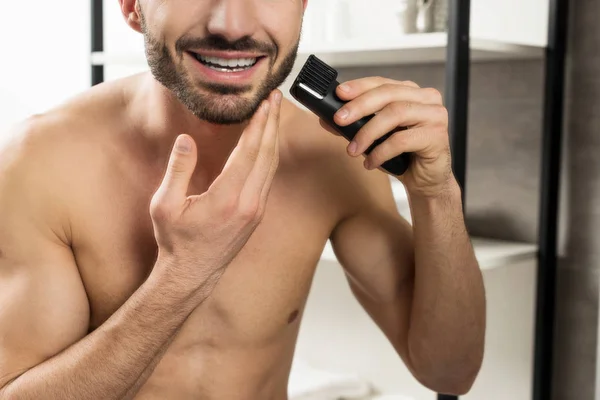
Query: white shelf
x,y
407,49
414,49
490,253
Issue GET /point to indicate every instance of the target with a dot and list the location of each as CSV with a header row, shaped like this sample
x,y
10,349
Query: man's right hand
x,y
199,235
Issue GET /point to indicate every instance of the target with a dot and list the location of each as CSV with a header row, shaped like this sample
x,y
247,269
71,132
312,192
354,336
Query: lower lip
x,y
239,77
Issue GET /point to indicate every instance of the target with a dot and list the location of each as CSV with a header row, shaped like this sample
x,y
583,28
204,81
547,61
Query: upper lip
x,y
229,55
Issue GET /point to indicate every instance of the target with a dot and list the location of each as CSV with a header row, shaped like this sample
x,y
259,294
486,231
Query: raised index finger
x,y
351,89
241,161
264,169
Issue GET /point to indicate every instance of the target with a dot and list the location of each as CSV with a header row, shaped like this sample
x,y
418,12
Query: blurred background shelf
x,y
491,253
406,49
414,49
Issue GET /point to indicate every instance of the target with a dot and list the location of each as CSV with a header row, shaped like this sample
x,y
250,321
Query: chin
x,y
220,103
225,109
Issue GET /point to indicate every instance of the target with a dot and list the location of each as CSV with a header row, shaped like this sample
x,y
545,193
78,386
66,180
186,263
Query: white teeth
x,y
231,63
226,69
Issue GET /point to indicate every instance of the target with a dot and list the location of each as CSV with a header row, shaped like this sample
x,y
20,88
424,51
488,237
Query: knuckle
x,y
399,139
380,80
363,134
159,210
249,211
410,83
399,107
378,155
441,114
229,207
434,95
375,156
389,86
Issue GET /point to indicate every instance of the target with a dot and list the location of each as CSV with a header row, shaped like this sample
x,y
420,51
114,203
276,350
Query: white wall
x,y
44,47
516,21
119,38
46,54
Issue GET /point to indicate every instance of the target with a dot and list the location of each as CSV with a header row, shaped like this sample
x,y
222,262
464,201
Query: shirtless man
x,y
159,233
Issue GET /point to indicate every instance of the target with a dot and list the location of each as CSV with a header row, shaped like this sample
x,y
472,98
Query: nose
x,y
233,19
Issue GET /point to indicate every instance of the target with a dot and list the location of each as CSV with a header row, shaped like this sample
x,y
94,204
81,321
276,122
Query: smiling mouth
x,y
226,64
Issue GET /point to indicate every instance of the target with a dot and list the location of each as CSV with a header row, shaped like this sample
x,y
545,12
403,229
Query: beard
x,y
215,103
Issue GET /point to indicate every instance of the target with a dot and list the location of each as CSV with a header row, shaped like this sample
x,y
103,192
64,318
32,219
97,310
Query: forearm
x,y
117,357
141,380
447,325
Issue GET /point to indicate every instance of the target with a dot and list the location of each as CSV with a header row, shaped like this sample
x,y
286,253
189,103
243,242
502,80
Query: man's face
x,y
221,58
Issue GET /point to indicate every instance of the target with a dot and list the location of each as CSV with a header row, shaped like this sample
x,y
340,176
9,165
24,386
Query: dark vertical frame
x,y
446,397
458,65
457,84
549,197
97,31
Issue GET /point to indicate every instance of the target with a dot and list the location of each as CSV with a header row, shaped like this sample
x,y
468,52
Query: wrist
x,y
448,191
444,199
166,279
185,280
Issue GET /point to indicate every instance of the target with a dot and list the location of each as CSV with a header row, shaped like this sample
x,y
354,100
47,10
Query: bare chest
x,y
263,290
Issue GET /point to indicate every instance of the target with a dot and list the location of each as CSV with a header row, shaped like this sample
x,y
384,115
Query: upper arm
x,y
43,304
374,245
373,242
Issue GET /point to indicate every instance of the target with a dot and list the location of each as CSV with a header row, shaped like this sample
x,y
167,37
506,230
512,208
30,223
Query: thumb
x,y
182,163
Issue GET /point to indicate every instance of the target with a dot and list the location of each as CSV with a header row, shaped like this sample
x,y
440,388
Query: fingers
x,y
351,89
182,162
376,99
241,161
423,141
394,115
263,171
273,169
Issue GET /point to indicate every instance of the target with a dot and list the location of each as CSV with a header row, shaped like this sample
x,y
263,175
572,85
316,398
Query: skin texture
x,y
149,250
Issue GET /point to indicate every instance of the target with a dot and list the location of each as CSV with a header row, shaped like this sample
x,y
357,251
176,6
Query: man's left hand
x,y
400,104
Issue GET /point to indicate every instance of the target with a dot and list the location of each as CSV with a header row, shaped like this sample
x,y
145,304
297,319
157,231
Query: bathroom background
x,y
46,60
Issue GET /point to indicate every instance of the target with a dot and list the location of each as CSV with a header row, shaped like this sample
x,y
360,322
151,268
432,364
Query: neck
x,y
162,118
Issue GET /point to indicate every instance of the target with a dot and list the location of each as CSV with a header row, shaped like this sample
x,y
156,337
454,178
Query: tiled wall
x,y
503,178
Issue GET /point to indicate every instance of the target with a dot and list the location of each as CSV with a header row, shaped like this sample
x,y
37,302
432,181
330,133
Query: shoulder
x,y
43,156
316,151
34,147
56,140
28,177
43,144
